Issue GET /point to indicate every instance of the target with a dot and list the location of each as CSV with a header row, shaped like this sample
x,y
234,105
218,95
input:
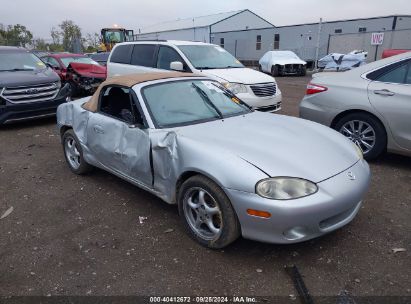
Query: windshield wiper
x,y
232,67
231,95
16,70
205,97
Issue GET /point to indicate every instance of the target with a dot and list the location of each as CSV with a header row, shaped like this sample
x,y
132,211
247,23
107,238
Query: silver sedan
x,y
230,170
370,105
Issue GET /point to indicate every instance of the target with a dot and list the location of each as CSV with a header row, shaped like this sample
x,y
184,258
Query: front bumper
x,y
265,104
334,205
13,112
291,69
87,84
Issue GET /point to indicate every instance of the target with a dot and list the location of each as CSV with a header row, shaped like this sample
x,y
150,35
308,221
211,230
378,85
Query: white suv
x,y
257,89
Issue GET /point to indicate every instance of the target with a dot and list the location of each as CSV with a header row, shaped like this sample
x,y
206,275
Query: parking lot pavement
x,y
73,235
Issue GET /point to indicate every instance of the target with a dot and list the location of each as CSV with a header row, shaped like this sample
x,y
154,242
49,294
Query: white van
x,y
257,89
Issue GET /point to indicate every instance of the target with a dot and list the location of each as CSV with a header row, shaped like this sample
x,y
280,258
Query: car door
x,y
117,136
390,95
142,58
166,55
119,61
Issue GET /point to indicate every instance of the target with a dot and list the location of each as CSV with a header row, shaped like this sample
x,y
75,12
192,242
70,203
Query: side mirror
x,y
176,66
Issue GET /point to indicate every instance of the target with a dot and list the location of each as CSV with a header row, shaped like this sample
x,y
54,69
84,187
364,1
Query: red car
x,y
82,73
392,52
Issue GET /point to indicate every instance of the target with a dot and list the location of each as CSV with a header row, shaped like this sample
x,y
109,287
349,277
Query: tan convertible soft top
x,y
129,81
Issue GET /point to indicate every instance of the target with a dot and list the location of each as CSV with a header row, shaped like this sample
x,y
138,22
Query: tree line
x,y
67,36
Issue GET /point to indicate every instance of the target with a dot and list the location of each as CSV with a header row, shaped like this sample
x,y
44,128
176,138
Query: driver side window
x,y
117,102
167,55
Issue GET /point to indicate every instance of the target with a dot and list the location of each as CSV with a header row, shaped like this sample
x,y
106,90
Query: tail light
x,y
314,89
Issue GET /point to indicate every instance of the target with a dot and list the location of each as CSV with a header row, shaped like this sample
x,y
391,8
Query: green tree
x,y
92,42
2,34
55,48
71,35
55,35
17,35
40,44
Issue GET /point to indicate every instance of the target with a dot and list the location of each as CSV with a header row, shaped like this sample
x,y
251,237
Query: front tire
x,y
366,132
206,213
274,70
74,90
303,71
74,154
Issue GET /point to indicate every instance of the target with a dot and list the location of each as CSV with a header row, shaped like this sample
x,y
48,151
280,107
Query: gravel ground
x,y
81,235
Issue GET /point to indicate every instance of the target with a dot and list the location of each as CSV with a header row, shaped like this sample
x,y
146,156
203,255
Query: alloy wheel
x,y
361,133
72,152
202,213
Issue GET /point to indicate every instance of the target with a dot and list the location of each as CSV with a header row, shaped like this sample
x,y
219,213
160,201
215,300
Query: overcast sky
x,y
92,15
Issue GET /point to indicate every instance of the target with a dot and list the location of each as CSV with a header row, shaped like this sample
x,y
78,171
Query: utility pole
x,y
317,49
194,31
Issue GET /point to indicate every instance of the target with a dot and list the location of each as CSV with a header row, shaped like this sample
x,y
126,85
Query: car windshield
x,y
188,102
20,61
114,36
209,57
67,60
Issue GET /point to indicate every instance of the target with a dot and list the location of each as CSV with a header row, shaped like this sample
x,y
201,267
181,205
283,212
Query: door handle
x,y
98,129
384,92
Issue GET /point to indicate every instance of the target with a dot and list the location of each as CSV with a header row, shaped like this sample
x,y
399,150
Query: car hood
x,y
27,78
89,70
283,61
278,145
239,75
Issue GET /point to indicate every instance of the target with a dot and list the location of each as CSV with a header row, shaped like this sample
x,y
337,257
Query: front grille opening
x,y
333,220
264,89
32,93
270,108
292,68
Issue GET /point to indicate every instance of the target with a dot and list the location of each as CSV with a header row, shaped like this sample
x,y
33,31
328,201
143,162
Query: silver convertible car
x,y
232,171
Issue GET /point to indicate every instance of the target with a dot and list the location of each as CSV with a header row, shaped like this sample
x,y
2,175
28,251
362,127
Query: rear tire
x,y
365,131
206,213
74,154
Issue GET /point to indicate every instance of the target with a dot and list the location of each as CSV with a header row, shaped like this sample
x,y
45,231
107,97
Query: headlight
x,y
285,188
359,151
236,88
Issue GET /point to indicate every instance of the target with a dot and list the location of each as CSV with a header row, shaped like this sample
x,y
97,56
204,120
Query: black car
x,y
28,87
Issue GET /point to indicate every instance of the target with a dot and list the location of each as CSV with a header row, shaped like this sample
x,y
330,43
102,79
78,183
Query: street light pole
x,y
194,31
317,49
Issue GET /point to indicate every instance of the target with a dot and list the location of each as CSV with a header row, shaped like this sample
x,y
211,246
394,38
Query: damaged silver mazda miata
x,y
232,171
